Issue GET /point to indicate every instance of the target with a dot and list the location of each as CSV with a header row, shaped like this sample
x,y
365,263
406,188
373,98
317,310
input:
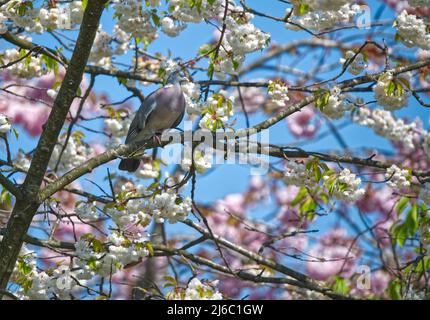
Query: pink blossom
x,y
233,203
381,200
332,256
253,99
400,5
69,228
302,124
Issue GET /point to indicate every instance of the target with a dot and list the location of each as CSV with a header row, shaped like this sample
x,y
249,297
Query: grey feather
x,y
141,117
161,110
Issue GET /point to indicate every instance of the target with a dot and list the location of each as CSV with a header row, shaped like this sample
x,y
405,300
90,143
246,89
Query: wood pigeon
x,y
162,109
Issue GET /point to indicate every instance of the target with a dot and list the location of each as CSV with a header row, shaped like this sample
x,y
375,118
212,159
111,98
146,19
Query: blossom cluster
x,y
278,93
36,284
74,154
202,160
23,65
133,20
22,14
4,124
172,27
321,15
357,65
384,124
412,31
87,210
167,206
96,258
391,92
117,127
397,178
297,174
149,169
347,187
335,104
191,92
196,290
217,111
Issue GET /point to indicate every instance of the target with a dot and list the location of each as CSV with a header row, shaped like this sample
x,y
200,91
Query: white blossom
x,y
246,38
217,111
171,27
336,104
191,92
118,252
392,93
384,124
148,171
22,160
202,160
40,19
118,129
347,187
278,93
5,125
297,174
397,178
26,68
75,154
101,51
357,65
87,210
52,93
197,290
412,31
168,206
134,20
324,19
324,5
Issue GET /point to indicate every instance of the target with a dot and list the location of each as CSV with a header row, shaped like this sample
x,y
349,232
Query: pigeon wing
x,y
141,117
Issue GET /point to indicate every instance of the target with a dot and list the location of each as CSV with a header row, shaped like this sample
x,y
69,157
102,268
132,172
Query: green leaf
x,y
211,69
150,248
412,220
394,290
308,206
390,88
317,172
302,9
235,64
155,18
401,205
122,81
16,133
400,234
5,197
340,286
92,263
300,196
84,4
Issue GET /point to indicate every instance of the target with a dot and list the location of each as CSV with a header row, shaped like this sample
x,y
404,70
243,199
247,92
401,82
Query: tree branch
x,y
25,209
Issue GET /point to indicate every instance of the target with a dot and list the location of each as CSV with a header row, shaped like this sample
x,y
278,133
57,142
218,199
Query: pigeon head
x,y
176,77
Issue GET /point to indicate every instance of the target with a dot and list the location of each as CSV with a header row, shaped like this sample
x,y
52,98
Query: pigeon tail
x,y
129,165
